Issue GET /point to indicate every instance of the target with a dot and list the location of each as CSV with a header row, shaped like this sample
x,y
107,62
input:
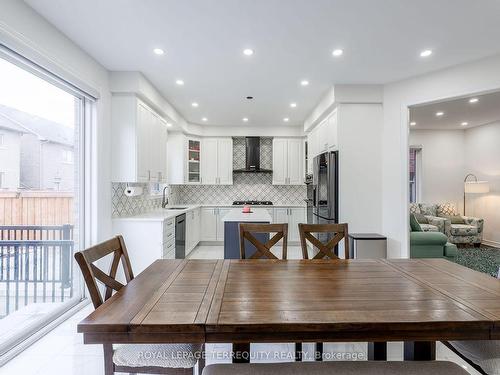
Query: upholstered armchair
x,y
444,218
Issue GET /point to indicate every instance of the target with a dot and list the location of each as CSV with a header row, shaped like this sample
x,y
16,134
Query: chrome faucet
x,y
164,201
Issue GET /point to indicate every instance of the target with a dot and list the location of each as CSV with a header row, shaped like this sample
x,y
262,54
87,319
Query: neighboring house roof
x,y
16,120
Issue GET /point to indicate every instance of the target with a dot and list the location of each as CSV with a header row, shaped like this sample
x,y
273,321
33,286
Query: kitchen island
x,y
232,222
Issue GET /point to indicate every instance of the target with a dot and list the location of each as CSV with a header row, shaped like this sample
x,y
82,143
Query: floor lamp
x,y
475,186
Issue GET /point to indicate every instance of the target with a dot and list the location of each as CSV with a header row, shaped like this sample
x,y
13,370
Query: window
x,y
43,119
67,156
415,173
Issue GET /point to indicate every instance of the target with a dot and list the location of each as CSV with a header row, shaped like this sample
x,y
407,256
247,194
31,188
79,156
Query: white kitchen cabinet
x,y
139,144
146,241
288,161
323,138
217,161
184,159
293,216
193,223
208,224
212,226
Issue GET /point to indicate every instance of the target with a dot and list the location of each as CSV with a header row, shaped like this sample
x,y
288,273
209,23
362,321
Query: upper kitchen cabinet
x,y
323,137
184,159
139,142
217,161
288,161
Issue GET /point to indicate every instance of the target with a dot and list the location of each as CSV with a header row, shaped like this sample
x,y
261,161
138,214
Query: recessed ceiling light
x,y
194,104
293,105
286,119
158,51
204,119
465,123
169,125
337,52
304,82
248,52
473,100
439,114
426,53
245,119
180,82
413,123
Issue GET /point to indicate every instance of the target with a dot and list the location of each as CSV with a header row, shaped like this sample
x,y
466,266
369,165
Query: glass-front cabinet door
x,y
193,161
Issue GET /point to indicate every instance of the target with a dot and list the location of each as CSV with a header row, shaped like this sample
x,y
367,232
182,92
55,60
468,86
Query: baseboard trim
x,y
491,243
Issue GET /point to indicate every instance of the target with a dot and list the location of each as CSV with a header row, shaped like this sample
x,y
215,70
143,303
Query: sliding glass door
x,y
41,169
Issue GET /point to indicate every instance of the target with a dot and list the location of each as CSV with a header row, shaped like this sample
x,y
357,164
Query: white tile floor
x,y
62,351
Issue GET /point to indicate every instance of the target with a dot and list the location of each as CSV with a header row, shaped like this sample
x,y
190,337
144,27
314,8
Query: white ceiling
x,y
292,39
457,111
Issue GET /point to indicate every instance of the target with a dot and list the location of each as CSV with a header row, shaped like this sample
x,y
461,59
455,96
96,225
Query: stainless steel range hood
x,y
252,157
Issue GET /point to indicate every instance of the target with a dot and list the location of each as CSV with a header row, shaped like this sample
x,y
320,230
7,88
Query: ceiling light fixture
x,y
426,53
158,51
204,119
179,82
169,125
194,104
439,114
337,52
304,82
248,52
413,123
465,123
293,105
473,100
286,119
245,119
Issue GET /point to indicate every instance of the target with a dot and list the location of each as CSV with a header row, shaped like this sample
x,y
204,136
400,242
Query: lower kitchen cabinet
x,y
193,232
212,226
293,216
147,241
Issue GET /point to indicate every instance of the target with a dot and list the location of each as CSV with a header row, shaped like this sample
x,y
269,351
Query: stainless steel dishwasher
x,y
180,236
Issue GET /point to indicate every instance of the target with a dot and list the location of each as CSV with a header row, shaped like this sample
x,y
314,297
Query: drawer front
x,y
169,249
168,230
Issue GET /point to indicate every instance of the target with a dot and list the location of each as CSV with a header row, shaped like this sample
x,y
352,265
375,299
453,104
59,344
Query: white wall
x,y
482,147
466,79
10,156
360,169
26,32
443,169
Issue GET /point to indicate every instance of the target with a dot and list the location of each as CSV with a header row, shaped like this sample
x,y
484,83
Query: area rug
x,y
484,259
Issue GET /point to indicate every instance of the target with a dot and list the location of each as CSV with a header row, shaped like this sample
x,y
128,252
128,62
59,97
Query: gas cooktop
x,y
252,203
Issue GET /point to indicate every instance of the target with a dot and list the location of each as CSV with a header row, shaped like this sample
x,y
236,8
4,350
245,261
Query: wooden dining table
x,y
417,301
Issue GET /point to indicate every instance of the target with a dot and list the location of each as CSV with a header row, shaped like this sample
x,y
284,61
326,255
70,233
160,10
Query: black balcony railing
x,y
35,265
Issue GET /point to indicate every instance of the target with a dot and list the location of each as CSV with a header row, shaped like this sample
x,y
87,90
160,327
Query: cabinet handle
x,y
149,175
159,176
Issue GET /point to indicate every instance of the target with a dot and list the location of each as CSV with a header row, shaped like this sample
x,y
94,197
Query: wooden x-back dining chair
x,y
136,358
263,250
325,250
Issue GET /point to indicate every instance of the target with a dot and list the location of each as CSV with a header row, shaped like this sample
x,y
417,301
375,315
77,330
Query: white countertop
x,y
161,214
258,215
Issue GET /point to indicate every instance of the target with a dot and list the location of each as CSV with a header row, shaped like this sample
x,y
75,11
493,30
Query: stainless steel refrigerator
x,y
323,191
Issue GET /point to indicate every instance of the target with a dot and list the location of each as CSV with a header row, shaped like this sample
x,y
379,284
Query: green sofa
x,y
431,245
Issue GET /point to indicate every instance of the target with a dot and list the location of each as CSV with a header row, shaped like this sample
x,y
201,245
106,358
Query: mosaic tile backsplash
x,y
129,206
246,186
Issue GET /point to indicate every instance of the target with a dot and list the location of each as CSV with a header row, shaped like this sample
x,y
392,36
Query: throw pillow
x,y
456,219
422,219
414,208
414,225
428,209
446,209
